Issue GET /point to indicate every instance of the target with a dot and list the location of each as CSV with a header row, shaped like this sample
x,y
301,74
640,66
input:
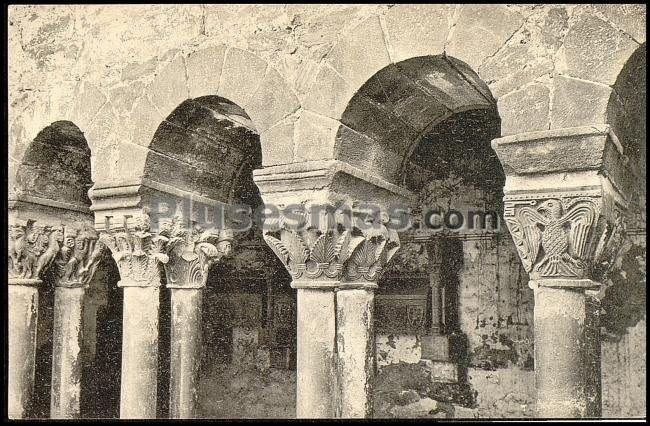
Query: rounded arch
x,y
385,120
123,131
210,144
55,169
626,109
527,54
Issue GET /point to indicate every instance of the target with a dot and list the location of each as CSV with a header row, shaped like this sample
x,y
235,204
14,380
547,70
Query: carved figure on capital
x,y
79,257
32,248
561,237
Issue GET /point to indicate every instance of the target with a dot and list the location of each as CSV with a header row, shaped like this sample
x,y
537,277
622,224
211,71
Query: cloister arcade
x,y
118,288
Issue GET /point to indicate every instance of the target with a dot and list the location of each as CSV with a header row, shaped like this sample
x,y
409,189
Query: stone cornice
x,y
588,151
130,197
324,181
15,200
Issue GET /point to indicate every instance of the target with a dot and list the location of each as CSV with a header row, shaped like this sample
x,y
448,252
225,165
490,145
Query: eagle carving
x,y
562,233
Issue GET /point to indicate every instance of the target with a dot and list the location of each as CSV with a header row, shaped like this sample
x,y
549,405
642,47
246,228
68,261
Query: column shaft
x,y
436,305
139,383
560,370
355,350
23,317
185,351
90,310
67,341
315,372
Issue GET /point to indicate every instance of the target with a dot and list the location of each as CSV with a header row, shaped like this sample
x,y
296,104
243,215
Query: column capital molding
x,y
75,264
577,159
135,249
32,249
326,181
191,250
565,197
333,251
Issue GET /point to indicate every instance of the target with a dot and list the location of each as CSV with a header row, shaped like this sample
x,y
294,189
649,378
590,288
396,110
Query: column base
x,y
436,358
441,371
435,347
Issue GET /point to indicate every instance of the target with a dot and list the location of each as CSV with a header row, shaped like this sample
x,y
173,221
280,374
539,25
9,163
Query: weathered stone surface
x,y
272,101
277,144
392,349
355,351
139,352
23,315
480,30
561,373
169,88
91,99
329,94
314,136
144,122
241,75
66,353
594,50
417,29
525,110
99,131
116,51
557,151
204,70
577,102
528,54
630,18
361,53
316,352
504,392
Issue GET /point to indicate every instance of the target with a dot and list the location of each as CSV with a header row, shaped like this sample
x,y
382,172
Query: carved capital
x,y
135,249
334,252
191,250
564,235
565,194
76,262
32,249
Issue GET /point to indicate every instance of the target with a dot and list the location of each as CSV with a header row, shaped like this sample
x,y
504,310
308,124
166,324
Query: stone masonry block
x,y
417,29
480,31
204,70
361,53
578,103
525,110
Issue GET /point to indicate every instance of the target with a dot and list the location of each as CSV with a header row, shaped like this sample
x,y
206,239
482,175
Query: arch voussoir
x,y
204,69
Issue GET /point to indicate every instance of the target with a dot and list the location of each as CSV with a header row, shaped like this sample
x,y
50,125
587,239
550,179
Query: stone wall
x,y
116,72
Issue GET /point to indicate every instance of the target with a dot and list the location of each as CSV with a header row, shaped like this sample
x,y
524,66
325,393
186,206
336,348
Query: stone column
x,y
191,251
137,254
316,351
74,266
23,317
335,272
434,251
31,251
564,203
355,305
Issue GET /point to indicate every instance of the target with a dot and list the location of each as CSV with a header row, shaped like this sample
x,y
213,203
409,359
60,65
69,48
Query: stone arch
x,y
210,143
385,120
575,56
626,110
54,170
227,72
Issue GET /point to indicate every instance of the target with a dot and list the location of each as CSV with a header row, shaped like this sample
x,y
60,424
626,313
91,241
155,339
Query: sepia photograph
x,y
326,211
